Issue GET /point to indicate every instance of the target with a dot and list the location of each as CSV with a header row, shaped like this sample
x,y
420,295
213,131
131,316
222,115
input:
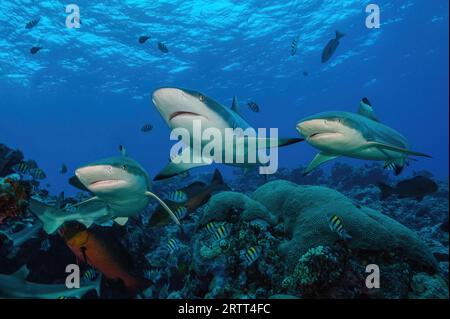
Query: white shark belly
x,y
129,207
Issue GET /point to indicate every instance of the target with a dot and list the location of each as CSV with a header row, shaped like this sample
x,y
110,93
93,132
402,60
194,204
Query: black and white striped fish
x,y
251,255
37,173
177,196
335,224
173,245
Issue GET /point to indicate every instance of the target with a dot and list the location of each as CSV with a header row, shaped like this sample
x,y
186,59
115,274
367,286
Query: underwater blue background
x,y
89,89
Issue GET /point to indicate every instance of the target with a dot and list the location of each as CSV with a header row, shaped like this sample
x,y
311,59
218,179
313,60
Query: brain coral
x,y
221,204
304,210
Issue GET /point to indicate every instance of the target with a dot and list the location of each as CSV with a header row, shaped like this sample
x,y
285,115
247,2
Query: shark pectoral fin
x,y
50,217
263,143
318,160
395,149
166,208
89,200
121,220
22,273
178,166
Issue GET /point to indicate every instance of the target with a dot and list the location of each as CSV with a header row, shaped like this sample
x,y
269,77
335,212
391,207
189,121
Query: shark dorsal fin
x,y
123,150
22,273
235,105
365,109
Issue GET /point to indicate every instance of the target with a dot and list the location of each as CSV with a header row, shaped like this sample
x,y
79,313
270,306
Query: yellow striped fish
x,y
251,255
336,226
172,245
177,197
220,232
37,173
21,168
89,275
180,212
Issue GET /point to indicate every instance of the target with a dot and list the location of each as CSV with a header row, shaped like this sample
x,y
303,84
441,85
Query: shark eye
x,y
201,97
125,168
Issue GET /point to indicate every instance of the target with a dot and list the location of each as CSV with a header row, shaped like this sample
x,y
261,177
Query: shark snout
x,y
93,176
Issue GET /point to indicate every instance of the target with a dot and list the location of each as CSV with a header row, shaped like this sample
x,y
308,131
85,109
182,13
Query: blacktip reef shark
x,y
120,186
16,286
357,135
181,107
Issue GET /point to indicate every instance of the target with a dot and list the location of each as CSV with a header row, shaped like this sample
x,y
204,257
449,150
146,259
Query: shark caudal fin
x,y
218,183
386,190
48,215
339,34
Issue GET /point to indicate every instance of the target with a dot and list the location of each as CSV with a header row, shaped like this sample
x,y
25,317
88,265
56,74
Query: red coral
x,y
13,199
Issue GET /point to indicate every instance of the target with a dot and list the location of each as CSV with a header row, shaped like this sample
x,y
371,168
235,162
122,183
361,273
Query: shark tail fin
x,y
339,34
164,205
47,214
386,190
289,141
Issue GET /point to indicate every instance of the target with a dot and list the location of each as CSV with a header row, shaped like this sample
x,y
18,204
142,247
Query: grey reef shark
x,y
120,188
357,135
181,108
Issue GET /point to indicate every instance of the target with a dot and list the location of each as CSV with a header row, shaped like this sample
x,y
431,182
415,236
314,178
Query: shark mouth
x,y
183,113
108,182
322,134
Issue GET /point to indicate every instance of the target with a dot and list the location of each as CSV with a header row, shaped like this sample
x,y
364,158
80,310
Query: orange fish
x,y
102,254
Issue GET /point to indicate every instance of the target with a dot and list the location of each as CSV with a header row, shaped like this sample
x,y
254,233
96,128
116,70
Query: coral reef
x,y
304,210
264,239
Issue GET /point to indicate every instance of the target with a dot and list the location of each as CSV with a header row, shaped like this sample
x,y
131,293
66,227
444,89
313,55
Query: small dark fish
x,y
162,47
336,226
417,187
147,128
35,50
294,45
32,23
143,39
253,106
305,73
331,47
63,169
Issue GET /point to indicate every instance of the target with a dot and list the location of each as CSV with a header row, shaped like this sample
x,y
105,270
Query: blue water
x,y
89,89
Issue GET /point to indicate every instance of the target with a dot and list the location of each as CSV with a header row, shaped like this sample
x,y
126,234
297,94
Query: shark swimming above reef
x,y
357,135
182,108
120,187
